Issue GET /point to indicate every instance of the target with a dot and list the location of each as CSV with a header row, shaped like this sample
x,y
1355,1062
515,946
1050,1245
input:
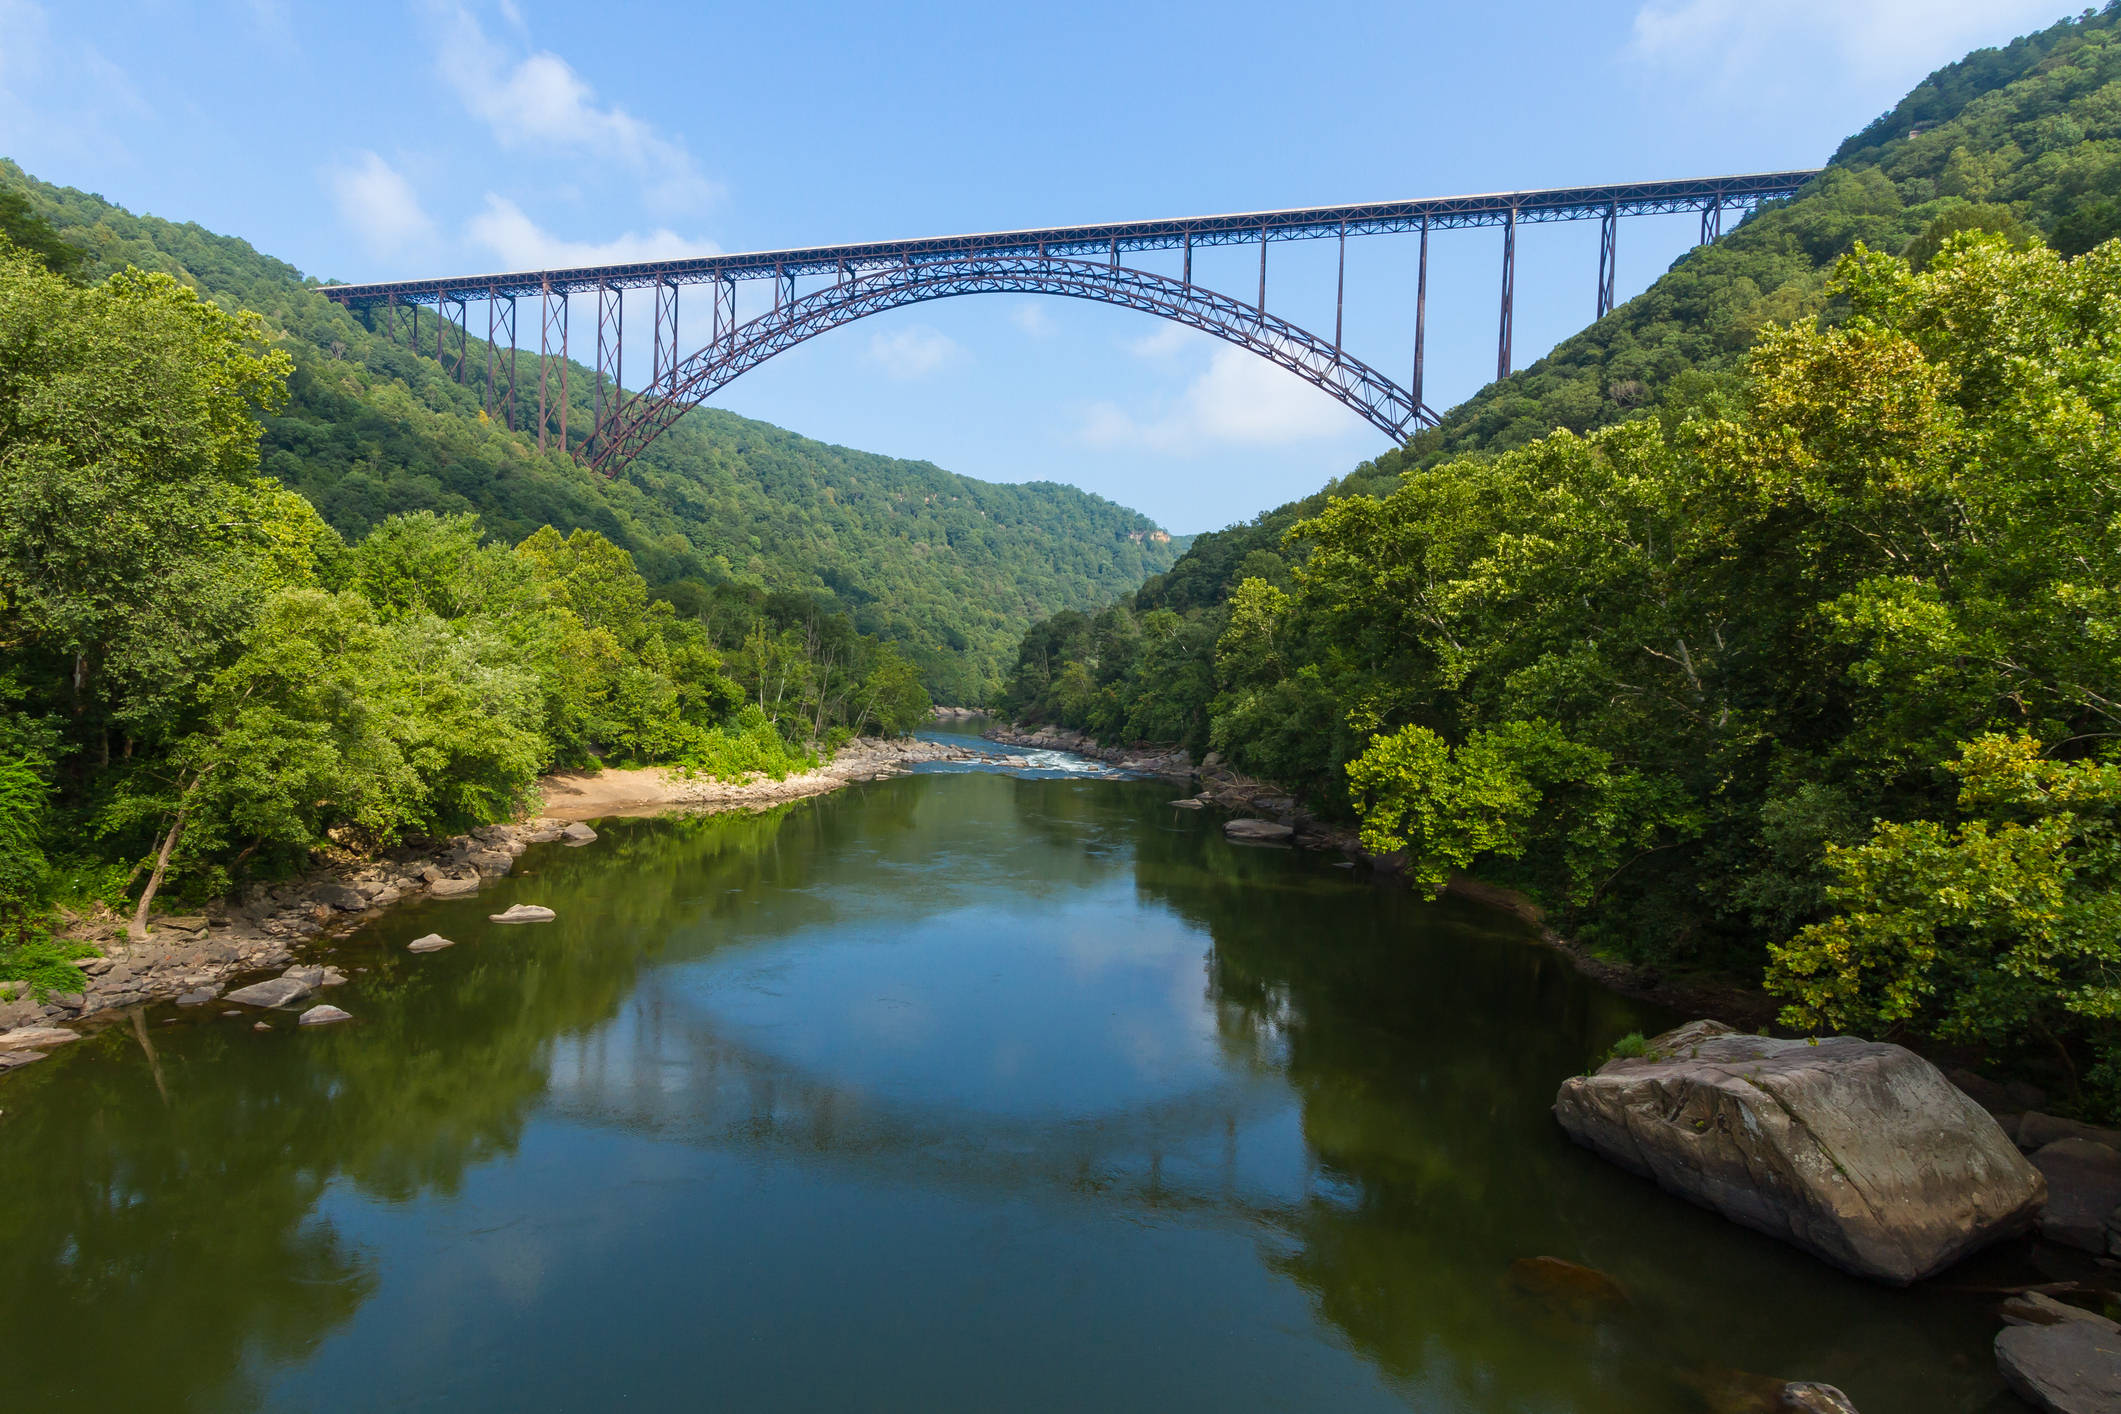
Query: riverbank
x,y
592,795
193,958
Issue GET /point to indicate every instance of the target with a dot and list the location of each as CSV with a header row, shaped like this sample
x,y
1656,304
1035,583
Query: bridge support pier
x,y
611,334
1340,288
1608,258
1712,221
666,327
498,323
1421,314
1509,285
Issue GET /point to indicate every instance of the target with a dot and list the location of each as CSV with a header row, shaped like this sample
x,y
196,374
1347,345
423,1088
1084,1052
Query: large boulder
x,y
2070,1368
1860,1152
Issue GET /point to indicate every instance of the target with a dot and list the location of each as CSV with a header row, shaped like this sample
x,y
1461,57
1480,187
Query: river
x,y
963,1091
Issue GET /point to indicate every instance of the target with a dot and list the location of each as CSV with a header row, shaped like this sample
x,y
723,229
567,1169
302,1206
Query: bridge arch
x,y
650,412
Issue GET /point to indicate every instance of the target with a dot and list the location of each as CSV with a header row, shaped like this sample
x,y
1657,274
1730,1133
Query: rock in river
x,y
454,888
433,942
2083,1190
1261,831
1860,1152
324,1016
278,992
577,833
27,1036
2071,1368
525,913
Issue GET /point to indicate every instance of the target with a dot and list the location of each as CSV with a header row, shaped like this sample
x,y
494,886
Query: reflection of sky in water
x,y
1064,1008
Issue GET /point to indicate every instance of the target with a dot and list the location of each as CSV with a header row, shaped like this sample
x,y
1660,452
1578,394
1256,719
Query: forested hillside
x,y
1767,627
951,568
2029,133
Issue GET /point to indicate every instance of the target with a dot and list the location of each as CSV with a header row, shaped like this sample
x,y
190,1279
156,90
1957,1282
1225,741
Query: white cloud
x,y
1030,316
1781,45
542,101
379,203
1241,399
1167,341
524,245
912,352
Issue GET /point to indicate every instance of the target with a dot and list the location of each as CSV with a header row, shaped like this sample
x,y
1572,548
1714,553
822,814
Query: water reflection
x,y
946,1092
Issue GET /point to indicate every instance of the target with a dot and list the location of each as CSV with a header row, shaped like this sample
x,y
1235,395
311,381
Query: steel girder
x,y
1709,195
646,415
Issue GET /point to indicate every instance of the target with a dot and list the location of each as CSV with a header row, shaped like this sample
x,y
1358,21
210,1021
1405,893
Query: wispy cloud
x,y
913,352
377,201
522,244
1785,45
1031,317
540,100
1240,400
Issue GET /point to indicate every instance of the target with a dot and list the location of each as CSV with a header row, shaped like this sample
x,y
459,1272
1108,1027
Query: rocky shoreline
x,y
192,959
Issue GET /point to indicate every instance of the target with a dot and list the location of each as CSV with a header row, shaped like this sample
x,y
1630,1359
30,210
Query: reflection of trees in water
x,y
151,1247
1425,1042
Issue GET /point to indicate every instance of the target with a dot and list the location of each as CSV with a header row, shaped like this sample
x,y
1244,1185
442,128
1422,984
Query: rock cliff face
x,y
1859,1152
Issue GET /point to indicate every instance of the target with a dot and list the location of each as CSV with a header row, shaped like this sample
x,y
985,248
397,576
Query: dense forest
x,y
1766,626
950,568
204,681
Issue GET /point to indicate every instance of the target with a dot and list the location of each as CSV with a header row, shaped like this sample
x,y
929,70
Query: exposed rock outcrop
x,y
1860,1152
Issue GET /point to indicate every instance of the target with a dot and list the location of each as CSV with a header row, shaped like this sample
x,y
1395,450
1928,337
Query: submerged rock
x,y
525,913
433,942
278,992
199,997
324,1016
1567,1288
1258,831
9,1060
2071,1368
1860,1152
1741,1392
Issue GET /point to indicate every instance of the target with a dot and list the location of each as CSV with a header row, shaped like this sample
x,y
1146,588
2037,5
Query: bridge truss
x,y
1078,261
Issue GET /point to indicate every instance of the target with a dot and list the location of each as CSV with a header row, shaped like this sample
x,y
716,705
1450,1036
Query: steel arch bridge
x,y
645,416
870,278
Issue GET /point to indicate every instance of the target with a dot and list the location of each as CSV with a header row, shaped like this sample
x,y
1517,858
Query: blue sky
x,y
396,140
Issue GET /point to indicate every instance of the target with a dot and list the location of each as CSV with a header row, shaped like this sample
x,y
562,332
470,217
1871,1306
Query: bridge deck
x,y
1239,228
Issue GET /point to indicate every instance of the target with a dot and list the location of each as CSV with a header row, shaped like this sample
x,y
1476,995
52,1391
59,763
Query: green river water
x,y
964,1091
